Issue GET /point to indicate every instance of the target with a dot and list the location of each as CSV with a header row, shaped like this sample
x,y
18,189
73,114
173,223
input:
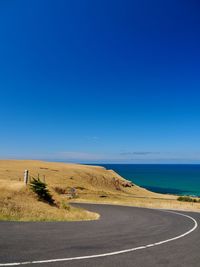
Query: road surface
x,y
124,237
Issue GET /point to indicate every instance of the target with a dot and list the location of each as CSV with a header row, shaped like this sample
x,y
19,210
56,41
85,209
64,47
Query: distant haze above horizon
x,y
100,81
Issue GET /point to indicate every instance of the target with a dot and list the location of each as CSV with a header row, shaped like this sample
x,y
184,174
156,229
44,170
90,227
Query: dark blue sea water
x,y
172,179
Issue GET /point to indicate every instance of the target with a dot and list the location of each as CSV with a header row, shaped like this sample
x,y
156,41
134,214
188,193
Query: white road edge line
x,y
112,253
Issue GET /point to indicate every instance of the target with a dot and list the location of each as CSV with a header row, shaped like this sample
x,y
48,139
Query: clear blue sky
x,y
100,81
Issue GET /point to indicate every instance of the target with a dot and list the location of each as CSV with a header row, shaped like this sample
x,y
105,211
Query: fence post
x,y
26,177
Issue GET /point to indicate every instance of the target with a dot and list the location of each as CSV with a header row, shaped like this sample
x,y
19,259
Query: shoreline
x,y
170,179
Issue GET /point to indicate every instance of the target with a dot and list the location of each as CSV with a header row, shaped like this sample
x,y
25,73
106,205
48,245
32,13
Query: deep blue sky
x,y
100,81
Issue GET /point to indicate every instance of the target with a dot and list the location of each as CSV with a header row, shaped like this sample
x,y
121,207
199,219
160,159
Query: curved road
x,y
142,237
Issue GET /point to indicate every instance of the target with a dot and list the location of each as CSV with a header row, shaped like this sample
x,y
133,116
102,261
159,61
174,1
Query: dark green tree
x,y
41,190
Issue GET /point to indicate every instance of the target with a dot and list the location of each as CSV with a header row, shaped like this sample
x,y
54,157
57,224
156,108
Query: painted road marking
x,y
111,253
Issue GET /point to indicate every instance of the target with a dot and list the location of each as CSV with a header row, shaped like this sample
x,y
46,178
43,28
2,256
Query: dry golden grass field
x,y
90,184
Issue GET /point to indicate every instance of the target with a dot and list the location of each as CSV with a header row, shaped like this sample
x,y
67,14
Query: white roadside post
x,y
26,177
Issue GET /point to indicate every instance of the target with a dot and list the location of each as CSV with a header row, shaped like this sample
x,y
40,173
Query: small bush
x,y
60,190
40,188
187,199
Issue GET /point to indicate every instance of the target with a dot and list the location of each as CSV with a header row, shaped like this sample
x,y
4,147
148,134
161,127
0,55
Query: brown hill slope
x,y
86,179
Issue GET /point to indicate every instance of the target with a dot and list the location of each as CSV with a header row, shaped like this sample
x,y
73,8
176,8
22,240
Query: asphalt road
x,y
119,228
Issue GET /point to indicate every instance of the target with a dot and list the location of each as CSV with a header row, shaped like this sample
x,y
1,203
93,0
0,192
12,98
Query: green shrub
x,y
187,199
40,188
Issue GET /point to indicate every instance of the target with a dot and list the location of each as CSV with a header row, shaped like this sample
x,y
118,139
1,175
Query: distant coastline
x,y
175,179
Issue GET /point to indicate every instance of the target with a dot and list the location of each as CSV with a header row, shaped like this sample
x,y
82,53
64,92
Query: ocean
x,y
165,178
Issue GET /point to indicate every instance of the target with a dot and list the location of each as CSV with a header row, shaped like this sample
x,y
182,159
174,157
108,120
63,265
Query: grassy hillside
x,y
71,182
